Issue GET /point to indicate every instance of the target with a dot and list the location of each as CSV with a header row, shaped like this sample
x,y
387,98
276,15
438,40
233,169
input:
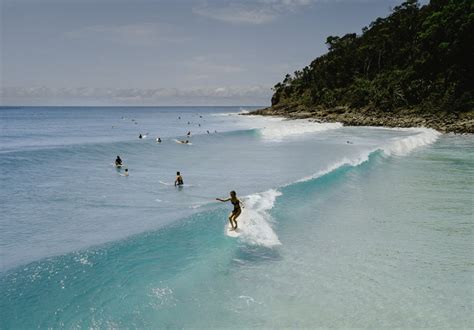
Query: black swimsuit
x,y
236,206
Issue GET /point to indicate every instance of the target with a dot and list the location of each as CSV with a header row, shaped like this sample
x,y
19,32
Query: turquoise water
x,y
376,232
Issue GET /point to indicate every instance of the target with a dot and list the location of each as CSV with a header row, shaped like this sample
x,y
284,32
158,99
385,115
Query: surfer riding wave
x,y
237,208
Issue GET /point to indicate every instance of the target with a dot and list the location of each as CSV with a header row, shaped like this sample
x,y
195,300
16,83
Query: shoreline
x,y
454,122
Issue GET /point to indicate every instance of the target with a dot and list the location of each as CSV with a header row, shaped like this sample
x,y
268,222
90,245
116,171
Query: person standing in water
x,y
118,161
237,208
179,180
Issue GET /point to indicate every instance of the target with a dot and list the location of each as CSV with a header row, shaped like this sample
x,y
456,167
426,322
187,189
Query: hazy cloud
x,y
140,34
237,14
210,66
258,12
139,96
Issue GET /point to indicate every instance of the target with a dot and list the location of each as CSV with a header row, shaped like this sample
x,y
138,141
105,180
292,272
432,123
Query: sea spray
x,y
277,130
398,146
255,221
403,146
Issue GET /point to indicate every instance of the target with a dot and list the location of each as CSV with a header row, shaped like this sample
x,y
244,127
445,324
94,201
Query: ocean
x,y
341,227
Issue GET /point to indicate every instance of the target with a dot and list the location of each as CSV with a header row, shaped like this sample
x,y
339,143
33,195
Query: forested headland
x,y
412,68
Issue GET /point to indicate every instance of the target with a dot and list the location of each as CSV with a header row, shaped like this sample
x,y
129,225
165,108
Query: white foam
x,y
398,146
403,146
277,129
255,221
344,162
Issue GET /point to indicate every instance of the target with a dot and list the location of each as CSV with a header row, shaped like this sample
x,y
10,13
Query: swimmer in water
x,y
158,140
126,172
140,136
179,180
118,161
238,205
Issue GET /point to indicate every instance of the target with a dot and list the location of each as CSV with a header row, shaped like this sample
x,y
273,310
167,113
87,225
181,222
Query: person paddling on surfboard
x,y
237,208
179,180
118,161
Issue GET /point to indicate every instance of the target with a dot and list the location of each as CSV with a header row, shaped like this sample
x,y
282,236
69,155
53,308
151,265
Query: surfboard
x,y
166,183
179,142
232,233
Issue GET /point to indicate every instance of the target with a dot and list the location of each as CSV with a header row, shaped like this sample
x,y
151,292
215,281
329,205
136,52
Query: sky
x,y
164,52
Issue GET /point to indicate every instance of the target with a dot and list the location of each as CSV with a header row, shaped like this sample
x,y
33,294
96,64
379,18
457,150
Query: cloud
x,y
206,95
258,12
237,14
141,34
210,66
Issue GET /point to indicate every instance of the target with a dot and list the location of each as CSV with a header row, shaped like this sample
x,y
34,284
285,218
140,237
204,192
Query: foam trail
x,y
278,130
403,146
255,221
399,147
344,162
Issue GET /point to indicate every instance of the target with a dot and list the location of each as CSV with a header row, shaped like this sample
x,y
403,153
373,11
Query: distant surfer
x,y
140,136
179,180
118,161
158,140
237,208
189,133
125,173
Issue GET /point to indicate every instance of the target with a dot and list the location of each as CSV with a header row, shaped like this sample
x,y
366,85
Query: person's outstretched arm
x,y
223,200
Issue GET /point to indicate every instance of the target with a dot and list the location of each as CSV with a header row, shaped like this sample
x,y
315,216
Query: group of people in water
x,y
179,182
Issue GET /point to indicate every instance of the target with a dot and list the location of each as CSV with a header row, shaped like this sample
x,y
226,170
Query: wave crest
x,y
403,146
255,221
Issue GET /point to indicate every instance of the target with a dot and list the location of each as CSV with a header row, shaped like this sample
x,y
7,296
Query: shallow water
x,y
375,232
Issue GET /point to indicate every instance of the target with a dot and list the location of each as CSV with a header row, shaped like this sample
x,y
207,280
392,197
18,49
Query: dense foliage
x,y
419,56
